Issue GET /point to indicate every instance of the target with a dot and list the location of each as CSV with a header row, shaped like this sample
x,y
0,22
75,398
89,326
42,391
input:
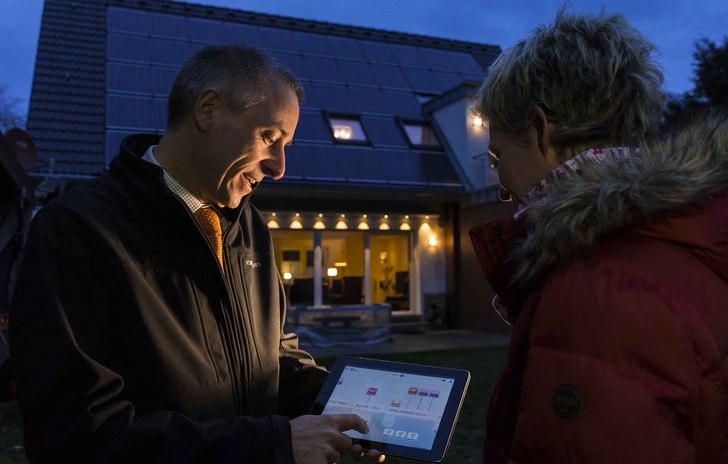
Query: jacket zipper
x,y
228,319
237,327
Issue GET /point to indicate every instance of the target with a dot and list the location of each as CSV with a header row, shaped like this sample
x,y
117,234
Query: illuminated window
x,y
420,134
347,129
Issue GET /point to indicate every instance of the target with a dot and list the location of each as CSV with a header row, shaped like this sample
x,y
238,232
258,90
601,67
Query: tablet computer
x,y
411,409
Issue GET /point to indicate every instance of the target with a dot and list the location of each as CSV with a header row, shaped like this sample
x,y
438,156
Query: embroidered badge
x,y
251,263
566,403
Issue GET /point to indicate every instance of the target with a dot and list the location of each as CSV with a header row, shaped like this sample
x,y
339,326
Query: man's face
x,y
246,147
521,163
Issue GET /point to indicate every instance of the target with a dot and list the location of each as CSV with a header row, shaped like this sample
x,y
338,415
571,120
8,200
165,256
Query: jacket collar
x,y
669,192
130,165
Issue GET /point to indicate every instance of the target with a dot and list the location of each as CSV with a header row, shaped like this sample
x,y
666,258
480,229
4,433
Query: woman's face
x,y
521,162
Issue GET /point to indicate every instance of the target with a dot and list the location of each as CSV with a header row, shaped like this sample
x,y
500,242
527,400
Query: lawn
x,y
484,365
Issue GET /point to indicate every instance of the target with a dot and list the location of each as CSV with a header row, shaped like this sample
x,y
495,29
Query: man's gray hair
x,y
593,76
240,74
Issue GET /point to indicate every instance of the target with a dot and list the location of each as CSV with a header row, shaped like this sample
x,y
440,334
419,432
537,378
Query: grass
x,y
11,435
484,365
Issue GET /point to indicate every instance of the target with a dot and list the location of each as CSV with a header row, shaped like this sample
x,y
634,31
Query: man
x,y
147,318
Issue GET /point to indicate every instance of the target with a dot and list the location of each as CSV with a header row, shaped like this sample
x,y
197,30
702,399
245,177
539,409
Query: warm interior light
x,y
363,226
296,224
384,226
343,132
405,226
341,225
332,272
287,276
319,225
432,242
273,224
340,264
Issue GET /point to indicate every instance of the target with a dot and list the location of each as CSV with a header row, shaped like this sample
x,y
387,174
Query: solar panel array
x,y
377,81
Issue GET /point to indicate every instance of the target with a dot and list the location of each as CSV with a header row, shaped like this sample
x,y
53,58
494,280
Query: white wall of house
x,y
469,143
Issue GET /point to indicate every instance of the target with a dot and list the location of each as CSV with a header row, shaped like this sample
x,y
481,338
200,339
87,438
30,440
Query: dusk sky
x,y
673,25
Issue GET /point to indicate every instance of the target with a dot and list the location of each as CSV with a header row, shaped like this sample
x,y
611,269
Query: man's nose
x,y
275,166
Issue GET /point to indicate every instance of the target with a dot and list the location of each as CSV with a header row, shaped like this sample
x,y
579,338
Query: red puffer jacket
x,y
618,286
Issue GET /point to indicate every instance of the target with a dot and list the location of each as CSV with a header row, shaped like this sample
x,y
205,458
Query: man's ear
x,y
205,109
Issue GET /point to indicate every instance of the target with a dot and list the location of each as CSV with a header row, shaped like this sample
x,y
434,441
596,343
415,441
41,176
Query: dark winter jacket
x,y
129,343
617,283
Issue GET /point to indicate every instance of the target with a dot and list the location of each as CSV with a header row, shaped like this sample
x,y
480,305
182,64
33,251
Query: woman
x,y
614,270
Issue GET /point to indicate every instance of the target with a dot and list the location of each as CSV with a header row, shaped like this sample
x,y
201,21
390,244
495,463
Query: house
x,y
388,167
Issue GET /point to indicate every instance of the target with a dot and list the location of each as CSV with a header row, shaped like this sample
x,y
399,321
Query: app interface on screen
x,y
401,409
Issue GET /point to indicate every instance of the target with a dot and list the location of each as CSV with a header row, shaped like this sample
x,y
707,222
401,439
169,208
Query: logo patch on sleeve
x,y
566,403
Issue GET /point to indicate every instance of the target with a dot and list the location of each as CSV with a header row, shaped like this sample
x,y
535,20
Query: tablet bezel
x,y
441,443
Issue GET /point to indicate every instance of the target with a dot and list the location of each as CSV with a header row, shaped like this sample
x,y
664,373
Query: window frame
x,y
351,117
404,122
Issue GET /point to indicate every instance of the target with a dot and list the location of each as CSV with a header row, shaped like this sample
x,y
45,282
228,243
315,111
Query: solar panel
x,y
437,169
318,162
131,112
407,55
345,48
165,25
129,48
403,167
331,98
403,104
205,30
363,164
358,73
323,69
390,76
366,100
113,140
422,80
160,114
171,52
126,20
297,64
465,63
376,52
243,34
436,59
312,126
383,131
277,39
446,80
163,80
121,77
313,44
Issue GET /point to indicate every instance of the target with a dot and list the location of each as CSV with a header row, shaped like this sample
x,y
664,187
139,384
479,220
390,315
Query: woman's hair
x,y
593,76
240,74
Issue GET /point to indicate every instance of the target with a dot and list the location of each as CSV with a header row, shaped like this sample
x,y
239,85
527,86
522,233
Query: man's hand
x,y
319,439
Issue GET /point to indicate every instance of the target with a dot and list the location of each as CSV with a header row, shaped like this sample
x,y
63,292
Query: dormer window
x,y
347,129
420,134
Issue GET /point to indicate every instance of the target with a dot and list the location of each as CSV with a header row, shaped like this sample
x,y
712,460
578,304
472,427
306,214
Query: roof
x,y
104,69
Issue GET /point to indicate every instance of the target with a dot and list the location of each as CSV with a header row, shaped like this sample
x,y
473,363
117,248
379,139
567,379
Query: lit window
x,y
420,135
347,129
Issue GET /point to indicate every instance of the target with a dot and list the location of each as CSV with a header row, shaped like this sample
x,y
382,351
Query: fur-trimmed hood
x,y
681,176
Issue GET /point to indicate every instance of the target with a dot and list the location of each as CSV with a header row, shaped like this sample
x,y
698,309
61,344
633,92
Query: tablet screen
x,y
410,409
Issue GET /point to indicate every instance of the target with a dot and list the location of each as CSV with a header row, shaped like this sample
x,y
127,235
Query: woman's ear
x,y
541,123
204,110
545,130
